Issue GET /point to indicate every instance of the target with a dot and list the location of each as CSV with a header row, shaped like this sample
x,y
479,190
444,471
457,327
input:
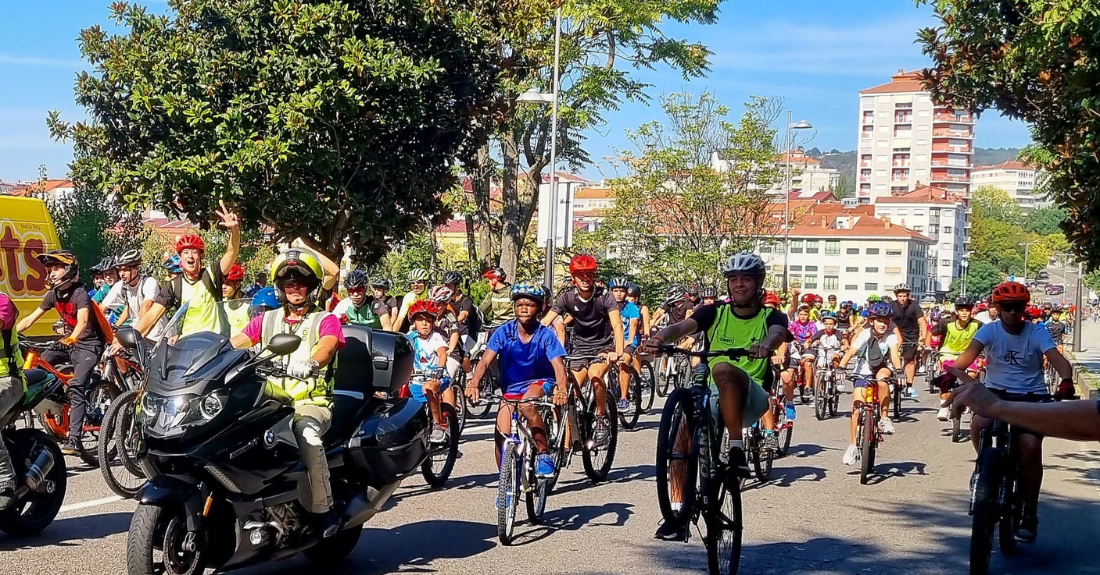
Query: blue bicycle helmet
x,y
828,315
619,282
529,290
264,300
880,309
172,264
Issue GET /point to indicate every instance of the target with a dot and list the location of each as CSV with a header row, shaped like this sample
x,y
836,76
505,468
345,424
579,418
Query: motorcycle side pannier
x,y
373,360
392,441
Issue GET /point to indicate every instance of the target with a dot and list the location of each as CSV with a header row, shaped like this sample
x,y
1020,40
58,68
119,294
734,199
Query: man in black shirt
x,y
384,305
910,321
597,330
1057,328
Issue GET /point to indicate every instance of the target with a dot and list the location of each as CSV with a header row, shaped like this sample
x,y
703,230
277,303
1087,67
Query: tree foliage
x,y
675,216
1035,61
981,278
334,121
992,203
1045,221
93,227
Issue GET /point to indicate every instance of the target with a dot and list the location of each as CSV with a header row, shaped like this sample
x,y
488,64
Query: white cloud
x,y
37,61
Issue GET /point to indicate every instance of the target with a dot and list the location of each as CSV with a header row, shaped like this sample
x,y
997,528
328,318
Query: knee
x,y
726,374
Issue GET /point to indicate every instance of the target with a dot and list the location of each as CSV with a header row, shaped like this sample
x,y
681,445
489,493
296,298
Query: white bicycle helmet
x,y
441,294
744,263
418,275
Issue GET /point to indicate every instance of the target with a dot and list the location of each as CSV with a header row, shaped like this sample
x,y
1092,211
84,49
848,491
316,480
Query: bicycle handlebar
x,y
732,353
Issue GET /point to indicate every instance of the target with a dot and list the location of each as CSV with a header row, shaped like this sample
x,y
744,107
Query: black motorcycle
x,y
231,482
40,472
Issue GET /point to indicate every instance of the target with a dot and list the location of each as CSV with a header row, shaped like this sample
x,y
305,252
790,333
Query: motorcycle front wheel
x,y
35,511
159,543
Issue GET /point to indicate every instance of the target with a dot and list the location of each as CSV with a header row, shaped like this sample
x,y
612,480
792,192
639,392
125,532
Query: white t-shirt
x,y
1015,361
884,344
132,297
427,351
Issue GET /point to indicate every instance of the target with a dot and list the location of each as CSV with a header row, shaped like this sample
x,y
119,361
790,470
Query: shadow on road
x,y
890,470
68,531
787,476
571,519
617,475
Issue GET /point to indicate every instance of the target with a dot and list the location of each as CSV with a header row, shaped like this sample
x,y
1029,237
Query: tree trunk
x,y
514,228
433,263
471,241
482,178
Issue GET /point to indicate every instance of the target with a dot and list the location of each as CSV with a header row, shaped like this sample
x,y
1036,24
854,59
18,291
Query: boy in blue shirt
x,y
632,318
532,364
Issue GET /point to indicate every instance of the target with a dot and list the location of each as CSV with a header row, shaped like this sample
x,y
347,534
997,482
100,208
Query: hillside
x,y
846,161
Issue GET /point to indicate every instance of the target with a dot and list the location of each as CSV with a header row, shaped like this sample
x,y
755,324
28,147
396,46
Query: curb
x,y
1085,380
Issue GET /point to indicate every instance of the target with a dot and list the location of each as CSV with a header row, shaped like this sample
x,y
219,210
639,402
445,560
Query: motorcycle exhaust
x,y
365,506
38,469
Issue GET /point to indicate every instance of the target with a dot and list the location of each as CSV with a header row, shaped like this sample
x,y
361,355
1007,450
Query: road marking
x,y
92,503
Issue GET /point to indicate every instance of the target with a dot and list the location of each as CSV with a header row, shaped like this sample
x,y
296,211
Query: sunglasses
x,y
1015,307
357,291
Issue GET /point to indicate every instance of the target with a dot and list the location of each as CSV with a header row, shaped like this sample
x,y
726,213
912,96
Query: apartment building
x,y
1017,178
905,141
808,177
941,217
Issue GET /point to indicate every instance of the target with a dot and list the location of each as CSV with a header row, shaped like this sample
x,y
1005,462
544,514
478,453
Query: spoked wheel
x,y
508,493
930,375
441,460
834,401
984,509
649,385
956,425
867,446
536,499
674,458
663,380
601,437
35,511
1011,512
724,526
118,448
821,398
629,418
762,457
785,432
159,543
461,409
484,403
898,391
99,398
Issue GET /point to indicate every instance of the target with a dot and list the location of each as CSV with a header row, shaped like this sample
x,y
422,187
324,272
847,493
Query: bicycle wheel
x,y
1010,512
508,493
867,449
898,390
599,452
984,509
724,526
677,420
762,457
116,454
785,432
461,409
662,375
99,398
630,417
930,375
484,403
821,397
536,499
648,386
441,459
956,424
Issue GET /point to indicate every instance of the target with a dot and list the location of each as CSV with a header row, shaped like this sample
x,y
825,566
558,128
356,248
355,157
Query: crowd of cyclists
x,y
536,340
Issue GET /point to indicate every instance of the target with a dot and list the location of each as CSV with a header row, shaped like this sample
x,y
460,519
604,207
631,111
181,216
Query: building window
x,y
811,246
796,268
765,249
851,270
831,283
811,268
871,269
811,282
796,246
832,247
851,287
780,248
890,252
945,262
796,280
947,229
872,251
893,271
918,229
852,251
870,286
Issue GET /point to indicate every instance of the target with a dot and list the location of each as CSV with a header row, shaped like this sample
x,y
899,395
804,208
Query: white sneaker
x,y
943,414
886,426
851,455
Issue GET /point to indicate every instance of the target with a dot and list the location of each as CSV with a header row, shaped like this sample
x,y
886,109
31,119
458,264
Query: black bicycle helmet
x,y
964,302
356,279
451,277
634,291
129,258
381,283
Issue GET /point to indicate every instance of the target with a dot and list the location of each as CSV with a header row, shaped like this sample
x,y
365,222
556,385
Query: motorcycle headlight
x,y
211,405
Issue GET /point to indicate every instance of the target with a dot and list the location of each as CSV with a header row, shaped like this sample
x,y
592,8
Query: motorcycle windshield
x,y
195,337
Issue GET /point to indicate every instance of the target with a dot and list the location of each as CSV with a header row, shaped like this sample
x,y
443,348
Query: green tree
x,y
981,278
845,187
675,216
1033,61
335,121
1045,221
93,227
992,203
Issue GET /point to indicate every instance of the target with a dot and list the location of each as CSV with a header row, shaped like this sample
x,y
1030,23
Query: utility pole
x,y
1077,317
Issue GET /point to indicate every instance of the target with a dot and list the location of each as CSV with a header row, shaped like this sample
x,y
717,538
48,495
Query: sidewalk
x,y
1087,362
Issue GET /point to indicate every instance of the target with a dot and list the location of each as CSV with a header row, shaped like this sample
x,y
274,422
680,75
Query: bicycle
x,y
597,456
996,489
711,488
826,377
442,455
868,432
649,384
932,370
671,374
628,418
518,460
490,384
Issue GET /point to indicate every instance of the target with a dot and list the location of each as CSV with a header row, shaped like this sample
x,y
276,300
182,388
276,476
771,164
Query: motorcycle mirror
x,y
283,343
128,337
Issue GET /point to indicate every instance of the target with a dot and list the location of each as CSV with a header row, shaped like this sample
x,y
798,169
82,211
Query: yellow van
x,y
26,230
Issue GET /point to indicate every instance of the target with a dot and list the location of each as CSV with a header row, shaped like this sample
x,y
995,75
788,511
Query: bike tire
x,y
834,402
956,429
821,398
116,464
1010,513
461,407
867,448
896,400
536,500
662,380
785,432
598,459
634,394
437,467
36,510
483,405
103,393
678,412
648,386
508,493
762,458
725,526
984,511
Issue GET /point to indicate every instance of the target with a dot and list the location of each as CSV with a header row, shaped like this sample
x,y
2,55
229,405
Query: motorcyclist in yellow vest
x,y
297,275
236,306
12,388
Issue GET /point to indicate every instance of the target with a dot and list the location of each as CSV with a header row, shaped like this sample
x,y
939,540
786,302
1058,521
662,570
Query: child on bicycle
x,y
955,336
532,364
876,349
826,339
429,381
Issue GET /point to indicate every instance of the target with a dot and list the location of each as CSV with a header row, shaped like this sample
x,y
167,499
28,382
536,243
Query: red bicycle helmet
x,y
582,263
1033,312
818,299
190,241
424,306
808,298
1010,292
497,273
771,299
236,274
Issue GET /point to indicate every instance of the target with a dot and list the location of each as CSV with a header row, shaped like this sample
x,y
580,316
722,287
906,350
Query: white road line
x,y
92,503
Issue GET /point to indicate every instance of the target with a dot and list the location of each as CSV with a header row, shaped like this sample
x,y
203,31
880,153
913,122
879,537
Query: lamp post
x,y
965,274
801,125
1027,250
533,95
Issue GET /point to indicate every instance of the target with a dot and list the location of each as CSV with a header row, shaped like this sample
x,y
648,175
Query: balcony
x,y
903,118
960,164
942,118
948,178
945,147
901,163
949,133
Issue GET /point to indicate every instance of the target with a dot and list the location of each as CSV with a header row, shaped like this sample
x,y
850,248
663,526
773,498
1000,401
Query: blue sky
x,y
816,55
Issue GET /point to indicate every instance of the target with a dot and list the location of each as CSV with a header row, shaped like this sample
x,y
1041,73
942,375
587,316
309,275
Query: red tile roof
x,y
41,187
797,157
922,195
858,226
594,194
900,82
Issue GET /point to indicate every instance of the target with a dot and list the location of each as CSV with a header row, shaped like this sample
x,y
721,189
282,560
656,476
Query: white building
x,y
905,141
1016,178
941,217
850,254
808,177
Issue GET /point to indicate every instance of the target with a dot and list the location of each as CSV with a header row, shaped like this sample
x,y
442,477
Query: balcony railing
x,y
957,119
949,178
947,133
952,149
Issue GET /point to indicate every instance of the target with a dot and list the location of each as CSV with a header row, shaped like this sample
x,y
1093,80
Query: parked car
x,y
1043,275
1056,289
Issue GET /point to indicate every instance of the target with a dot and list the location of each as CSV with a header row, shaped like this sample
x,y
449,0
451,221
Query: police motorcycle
x,y
230,489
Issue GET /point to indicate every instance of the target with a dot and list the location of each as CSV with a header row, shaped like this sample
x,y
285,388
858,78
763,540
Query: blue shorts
x,y
416,389
516,391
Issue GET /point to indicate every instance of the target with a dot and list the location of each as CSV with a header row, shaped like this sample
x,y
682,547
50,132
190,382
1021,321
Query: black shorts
x,y
579,364
1026,398
908,350
628,350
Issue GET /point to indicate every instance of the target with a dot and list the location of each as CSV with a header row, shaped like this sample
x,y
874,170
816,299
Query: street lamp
x,y
532,95
1027,250
801,125
965,274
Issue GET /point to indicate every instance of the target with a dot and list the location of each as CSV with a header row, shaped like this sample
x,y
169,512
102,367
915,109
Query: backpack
x,y
872,353
475,321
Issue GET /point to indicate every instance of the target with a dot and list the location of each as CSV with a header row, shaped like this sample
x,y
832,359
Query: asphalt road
x,y
813,516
